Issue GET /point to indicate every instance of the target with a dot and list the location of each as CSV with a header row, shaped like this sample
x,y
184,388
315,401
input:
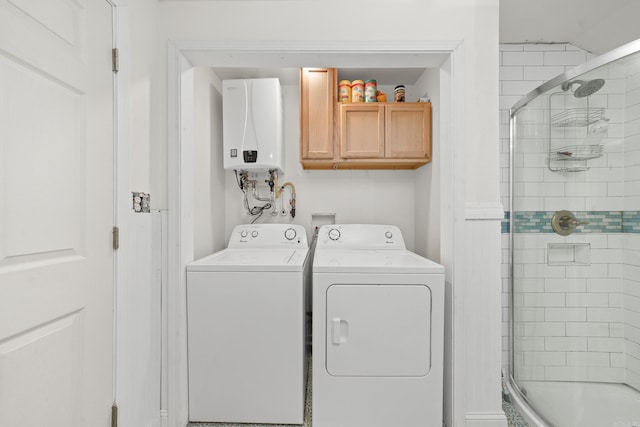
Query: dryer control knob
x,y
334,234
254,233
388,234
244,233
290,234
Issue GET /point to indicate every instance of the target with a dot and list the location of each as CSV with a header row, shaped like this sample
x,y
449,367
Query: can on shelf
x,y
344,91
357,91
370,89
398,93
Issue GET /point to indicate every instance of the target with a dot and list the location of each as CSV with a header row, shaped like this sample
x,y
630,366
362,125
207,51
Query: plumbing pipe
x,y
292,202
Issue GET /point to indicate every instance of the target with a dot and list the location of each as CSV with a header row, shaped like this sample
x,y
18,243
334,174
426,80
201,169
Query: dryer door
x,y
378,330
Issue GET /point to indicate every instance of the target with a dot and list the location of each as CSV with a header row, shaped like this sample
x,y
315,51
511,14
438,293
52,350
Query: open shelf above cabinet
x,y
361,135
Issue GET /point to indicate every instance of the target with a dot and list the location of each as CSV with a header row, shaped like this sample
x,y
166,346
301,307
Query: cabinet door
x,y
408,130
361,131
318,90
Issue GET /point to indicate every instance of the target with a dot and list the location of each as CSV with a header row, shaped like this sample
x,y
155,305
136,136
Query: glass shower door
x,y
575,245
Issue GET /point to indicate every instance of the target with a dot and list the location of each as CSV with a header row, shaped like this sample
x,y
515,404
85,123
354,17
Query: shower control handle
x,y
565,223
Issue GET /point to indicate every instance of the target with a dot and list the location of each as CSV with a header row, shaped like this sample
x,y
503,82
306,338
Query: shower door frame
x,y
599,61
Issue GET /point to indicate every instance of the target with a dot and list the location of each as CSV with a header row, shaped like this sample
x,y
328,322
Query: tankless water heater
x,y
252,124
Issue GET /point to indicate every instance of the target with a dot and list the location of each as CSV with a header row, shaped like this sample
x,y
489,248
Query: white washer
x,y
378,328
247,325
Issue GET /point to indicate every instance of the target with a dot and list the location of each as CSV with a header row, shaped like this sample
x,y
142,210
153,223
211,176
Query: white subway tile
x,y
606,256
597,314
564,58
616,100
610,345
632,348
593,270
530,343
631,333
617,360
631,318
604,203
633,379
616,330
565,314
531,373
544,300
565,285
631,288
546,329
526,285
616,300
545,358
604,285
587,329
543,47
511,73
604,374
587,359
529,314
523,58
542,73
508,101
573,373
587,300
616,270
565,343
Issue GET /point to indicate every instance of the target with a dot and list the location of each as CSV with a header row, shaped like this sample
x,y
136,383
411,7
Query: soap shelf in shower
x,y
577,153
577,117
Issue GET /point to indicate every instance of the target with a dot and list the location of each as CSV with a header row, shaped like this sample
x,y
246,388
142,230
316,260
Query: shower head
x,y
586,88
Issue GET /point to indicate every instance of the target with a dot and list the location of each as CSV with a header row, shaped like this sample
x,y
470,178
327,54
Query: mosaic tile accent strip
x,y
631,222
505,226
599,222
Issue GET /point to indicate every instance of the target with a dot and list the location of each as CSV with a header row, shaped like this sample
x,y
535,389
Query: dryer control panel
x,y
268,236
360,236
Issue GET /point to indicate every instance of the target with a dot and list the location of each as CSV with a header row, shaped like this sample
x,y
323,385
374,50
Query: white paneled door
x,y
56,213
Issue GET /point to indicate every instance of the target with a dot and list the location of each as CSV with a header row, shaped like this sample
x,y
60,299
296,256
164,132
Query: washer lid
x,y
252,260
373,261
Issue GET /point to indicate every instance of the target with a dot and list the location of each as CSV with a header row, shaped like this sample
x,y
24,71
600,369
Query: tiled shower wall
x,y
578,322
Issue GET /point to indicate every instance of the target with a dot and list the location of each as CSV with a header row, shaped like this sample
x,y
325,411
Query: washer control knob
x,y
388,234
244,233
290,234
334,234
254,233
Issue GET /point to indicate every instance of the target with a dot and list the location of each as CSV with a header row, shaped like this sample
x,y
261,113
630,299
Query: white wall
x,y
473,21
209,178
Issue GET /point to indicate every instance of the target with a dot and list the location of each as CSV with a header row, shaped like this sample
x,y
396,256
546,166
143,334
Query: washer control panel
x,y
360,236
268,236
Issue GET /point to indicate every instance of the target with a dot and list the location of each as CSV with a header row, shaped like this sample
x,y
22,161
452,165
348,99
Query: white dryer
x,y
378,328
247,326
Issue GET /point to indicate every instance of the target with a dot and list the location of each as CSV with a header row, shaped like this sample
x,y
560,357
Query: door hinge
x,y
114,416
115,60
116,238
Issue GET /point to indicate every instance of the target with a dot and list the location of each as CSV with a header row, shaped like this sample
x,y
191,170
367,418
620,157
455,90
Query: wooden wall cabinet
x,y
359,135
318,99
